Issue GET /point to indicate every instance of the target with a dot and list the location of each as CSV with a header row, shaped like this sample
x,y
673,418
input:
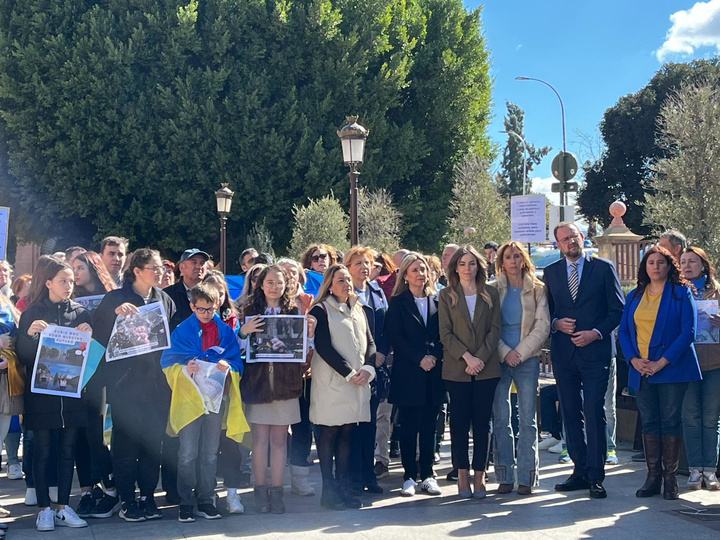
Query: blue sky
x,y
592,52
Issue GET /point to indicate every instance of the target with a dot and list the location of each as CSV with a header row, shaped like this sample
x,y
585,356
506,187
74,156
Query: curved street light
x,y
562,105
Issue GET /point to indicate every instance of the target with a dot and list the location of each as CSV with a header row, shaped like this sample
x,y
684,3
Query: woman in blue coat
x,y
656,335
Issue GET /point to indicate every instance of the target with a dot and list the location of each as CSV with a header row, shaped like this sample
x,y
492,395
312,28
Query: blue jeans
x,y
701,420
660,406
199,439
525,376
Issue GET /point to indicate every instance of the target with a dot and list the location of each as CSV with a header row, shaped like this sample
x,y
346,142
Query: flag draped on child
x,y
186,404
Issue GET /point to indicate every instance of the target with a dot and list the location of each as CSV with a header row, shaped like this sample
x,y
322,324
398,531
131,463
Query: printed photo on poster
x,y
282,339
210,384
60,362
90,302
140,333
706,332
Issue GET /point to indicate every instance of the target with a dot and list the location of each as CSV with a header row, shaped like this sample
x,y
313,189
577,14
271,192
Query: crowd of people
x,y
396,345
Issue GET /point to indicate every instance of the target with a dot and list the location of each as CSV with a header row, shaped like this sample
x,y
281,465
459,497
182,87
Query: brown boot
x,y
670,459
277,506
653,457
262,502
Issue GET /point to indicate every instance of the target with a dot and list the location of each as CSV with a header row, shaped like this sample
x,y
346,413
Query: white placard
x,y
554,215
4,222
283,338
706,332
527,218
60,362
140,333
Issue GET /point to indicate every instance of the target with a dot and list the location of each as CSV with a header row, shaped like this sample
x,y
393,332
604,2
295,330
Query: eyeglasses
x,y
568,238
204,310
155,269
316,258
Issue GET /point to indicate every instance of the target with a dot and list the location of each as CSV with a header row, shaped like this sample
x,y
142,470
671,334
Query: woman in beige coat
x,y
469,313
342,368
525,327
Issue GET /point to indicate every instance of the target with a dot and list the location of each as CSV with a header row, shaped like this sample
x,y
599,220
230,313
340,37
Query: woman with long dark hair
x,y
701,407
91,277
470,328
656,334
46,415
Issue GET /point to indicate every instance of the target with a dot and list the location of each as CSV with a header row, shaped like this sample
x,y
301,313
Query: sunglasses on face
x,y
318,257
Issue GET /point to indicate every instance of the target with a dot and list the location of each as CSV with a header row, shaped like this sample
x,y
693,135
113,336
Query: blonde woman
x,y
470,326
525,327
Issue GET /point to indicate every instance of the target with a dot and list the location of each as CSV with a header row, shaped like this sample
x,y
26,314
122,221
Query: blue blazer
x,y
672,336
599,305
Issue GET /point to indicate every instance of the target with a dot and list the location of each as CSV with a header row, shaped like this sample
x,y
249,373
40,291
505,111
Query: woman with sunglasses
x,y
316,259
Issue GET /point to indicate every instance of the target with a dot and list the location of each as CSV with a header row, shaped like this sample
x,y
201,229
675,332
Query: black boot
x,y
331,497
277,505
653,457
262,499
348,495
670,460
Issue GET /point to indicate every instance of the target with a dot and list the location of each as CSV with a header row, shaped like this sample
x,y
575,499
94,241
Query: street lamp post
x,y
525,155
223,198
352,137
563,195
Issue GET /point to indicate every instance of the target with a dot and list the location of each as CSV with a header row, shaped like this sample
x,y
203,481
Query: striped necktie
x,y
573,281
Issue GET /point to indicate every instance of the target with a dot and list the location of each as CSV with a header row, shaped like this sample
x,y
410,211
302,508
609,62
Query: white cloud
x,y
692,29
542,186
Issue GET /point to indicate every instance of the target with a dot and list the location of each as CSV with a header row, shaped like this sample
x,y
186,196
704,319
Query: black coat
x,y
44,411
411,340
138,381
178,294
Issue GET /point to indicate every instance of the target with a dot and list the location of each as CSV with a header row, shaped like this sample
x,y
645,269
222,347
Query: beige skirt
x,y
275,413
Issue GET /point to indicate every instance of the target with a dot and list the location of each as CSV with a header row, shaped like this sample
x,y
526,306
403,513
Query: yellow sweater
x,y
645,316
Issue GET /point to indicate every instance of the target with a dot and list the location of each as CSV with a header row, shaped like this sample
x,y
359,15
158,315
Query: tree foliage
x,y
378,220
478,211
684,187
629,130
510,179
124,116
320,221
261,239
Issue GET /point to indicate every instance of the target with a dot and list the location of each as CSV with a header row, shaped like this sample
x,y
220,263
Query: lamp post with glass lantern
x,y
223,198
352,137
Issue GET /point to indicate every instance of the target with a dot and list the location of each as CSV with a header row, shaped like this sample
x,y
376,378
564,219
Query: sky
x,y
592,52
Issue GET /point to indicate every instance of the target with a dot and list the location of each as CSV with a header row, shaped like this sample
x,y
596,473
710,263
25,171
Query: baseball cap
x,y
194,251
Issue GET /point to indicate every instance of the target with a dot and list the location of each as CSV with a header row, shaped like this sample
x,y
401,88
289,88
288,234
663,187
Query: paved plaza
x,y
546,514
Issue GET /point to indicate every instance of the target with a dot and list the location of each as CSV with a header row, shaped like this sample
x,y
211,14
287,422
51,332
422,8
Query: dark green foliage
x,y
125,116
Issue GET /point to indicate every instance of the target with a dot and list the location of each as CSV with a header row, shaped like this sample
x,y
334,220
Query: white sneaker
x,y
68,518
695,479
15,472
45,520
30,497
234,504
52,491
408,489
557,449
548,443
711,481
430,485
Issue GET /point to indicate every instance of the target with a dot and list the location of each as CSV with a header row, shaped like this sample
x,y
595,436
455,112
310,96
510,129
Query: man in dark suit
x,y
586,303
192,271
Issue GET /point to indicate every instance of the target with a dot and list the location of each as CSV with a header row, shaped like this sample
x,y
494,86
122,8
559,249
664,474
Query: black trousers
x,y
471,405
418,427
92,458
65,461
301,440
137,439
232,461
362,451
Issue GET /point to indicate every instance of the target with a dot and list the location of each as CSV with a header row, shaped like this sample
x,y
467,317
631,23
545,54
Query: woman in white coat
x,y
342,368
525,327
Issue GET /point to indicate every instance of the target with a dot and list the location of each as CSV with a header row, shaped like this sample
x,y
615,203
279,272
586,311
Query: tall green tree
x,y
510,180
630,132
123,116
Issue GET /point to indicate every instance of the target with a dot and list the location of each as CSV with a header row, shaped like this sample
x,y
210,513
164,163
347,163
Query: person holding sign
x,y
48,415
136,388
197,341
271,390
656,334
701,407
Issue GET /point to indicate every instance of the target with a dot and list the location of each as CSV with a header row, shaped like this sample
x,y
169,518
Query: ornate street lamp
x,y
352,137
223,198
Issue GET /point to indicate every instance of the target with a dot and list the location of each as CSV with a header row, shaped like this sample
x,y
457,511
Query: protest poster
x,y
282,339
140,333
706,332
210,383
90,302
60,362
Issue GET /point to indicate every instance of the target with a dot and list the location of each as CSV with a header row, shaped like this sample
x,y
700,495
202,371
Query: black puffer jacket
x,y
43,411
139,381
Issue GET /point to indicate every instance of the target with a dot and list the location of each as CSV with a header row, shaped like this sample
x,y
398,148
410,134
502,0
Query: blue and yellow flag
x,y
186,404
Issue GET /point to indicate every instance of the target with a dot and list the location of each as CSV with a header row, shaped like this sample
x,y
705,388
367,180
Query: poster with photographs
x,y
140,333
282,339
90,302
60,362
210,383
706,332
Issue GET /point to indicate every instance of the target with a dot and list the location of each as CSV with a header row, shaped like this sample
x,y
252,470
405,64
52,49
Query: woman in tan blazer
x,y
469,313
